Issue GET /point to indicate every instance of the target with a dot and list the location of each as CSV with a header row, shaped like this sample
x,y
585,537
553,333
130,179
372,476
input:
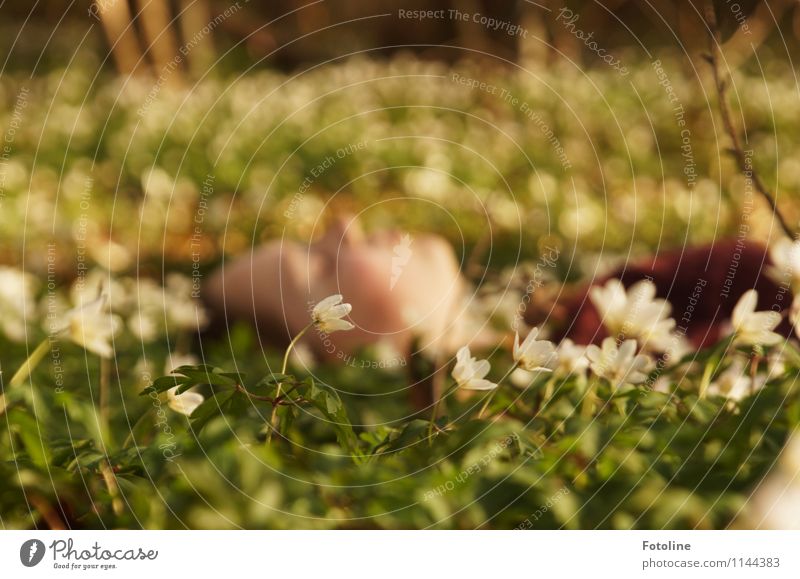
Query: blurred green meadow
x,y
139,190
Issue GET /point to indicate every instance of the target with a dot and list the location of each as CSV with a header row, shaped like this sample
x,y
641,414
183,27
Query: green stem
x,y
139,420
435,412
548,389
491,396
706,380
587,407
28,366
105,386
274,416
488,401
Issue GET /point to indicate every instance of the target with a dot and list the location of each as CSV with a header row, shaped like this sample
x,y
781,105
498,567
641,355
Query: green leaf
x,y
163,384
186,377
327,401
211,407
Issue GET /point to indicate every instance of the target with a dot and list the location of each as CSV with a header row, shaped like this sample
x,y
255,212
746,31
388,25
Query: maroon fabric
x,y
728,267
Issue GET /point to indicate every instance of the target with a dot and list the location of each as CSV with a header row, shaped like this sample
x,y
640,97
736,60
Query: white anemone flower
x,y
733,383
785,255
328,314
572,360
183,311
534,355
619,365
754,328
17,306
611,302
184,403
470,373
635,313
794,315
92,326
110,255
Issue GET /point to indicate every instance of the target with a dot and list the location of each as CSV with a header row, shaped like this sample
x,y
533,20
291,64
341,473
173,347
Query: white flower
x,y
785,256
176,360
188,315
618,365
17,290
328,314
611,302
534,355
182,310
776,502
85,289
635,313
184,403
522,378
143,326
733,383
794,315
572,360
92,327
470,373
754,328
110,255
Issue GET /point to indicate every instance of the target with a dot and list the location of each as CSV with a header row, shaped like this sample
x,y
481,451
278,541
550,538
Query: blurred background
x,y
146,141
139,103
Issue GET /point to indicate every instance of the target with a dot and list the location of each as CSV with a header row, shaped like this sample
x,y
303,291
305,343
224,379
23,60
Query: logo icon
x,y
402,254
32,552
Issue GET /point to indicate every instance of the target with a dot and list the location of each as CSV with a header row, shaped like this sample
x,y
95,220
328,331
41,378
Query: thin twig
x,y
277,401
113,489
738,152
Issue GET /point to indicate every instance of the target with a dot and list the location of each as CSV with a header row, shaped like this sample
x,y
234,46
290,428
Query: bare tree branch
x,y
727,121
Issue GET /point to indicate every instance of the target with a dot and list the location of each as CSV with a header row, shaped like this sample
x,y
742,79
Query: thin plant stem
x,y
435,412
30,364
548,389
705,382
105,386
737,150
274,416
587,407
139,420
488,401
754,362
491,396
113,489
